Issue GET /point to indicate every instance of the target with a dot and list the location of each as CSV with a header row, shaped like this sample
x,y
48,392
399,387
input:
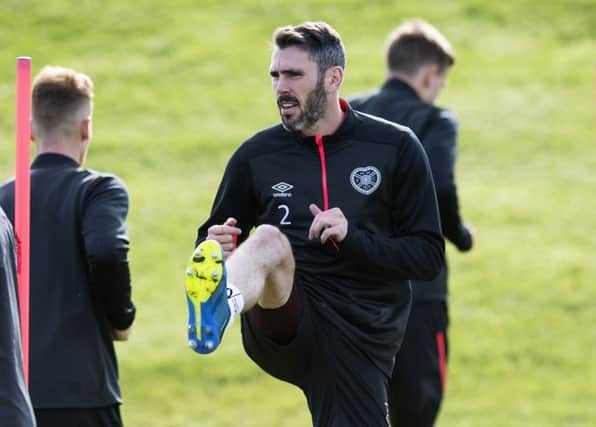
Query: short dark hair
x,y
415,43
58,94
321,41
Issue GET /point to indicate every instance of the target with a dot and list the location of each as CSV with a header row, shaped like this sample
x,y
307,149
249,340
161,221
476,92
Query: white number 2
x,y
284,220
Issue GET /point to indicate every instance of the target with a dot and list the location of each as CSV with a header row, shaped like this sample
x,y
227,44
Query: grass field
x,y
180,84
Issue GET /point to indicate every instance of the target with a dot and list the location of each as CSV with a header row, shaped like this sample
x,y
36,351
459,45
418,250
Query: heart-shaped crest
x,y
366,179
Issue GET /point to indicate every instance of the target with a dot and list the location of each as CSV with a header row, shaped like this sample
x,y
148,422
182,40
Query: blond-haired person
x,y
80,281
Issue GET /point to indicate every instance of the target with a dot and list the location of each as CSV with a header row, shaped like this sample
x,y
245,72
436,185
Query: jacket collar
x,y
396,85
344,128
53,160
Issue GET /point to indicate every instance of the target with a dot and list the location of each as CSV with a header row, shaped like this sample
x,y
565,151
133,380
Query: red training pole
x,y
23,198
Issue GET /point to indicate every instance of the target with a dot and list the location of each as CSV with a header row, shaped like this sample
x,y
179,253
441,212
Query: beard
x,y
313,110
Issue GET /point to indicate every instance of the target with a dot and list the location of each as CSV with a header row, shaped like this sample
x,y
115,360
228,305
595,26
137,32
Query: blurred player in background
x,y
418,60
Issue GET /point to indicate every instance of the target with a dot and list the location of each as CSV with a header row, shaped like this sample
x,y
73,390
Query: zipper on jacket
x,y
319,142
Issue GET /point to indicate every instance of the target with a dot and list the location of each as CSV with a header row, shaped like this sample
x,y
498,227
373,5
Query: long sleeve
x,y
234,198
440,142
106,244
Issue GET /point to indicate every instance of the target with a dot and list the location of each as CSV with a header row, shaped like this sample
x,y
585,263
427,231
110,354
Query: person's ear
x,y
85,129
335,77
429,72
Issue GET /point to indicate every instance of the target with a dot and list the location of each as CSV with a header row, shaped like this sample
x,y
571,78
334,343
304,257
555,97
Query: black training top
x,y
437,130
80,286
377,173
15,407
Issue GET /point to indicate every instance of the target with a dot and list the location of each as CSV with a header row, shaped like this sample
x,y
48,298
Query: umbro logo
x,y
282,189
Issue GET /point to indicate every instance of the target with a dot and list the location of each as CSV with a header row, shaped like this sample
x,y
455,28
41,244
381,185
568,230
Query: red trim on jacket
x,y
442,359
319,141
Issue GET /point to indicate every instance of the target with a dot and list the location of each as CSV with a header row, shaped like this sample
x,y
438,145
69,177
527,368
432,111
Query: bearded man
x,y
344,213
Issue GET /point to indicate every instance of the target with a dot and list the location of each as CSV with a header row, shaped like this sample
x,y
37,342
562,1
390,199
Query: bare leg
x,y
260,272
262,268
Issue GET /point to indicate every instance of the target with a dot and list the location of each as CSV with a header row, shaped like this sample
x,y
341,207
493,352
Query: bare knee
x,y
273,244
268,232
275,254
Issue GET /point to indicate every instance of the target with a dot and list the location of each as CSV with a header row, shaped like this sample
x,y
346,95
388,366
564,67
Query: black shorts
x,y
417,385
106,416
342,385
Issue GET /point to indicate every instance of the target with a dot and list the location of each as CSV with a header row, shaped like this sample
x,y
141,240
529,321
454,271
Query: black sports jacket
x,y
80,282
15,406
377,173
437,130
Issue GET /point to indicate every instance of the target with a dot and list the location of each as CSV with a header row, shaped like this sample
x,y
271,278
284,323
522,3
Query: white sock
x,y
235,302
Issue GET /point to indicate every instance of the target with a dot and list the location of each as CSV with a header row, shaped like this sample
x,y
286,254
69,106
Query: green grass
x,y
180,84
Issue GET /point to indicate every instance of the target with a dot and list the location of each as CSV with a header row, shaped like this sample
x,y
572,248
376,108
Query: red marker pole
x,y
23,198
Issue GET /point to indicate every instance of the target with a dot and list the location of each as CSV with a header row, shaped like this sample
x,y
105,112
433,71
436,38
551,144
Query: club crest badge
x,y
365,180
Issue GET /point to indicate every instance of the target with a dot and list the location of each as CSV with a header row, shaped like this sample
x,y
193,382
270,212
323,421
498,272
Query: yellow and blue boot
x,y
207,297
